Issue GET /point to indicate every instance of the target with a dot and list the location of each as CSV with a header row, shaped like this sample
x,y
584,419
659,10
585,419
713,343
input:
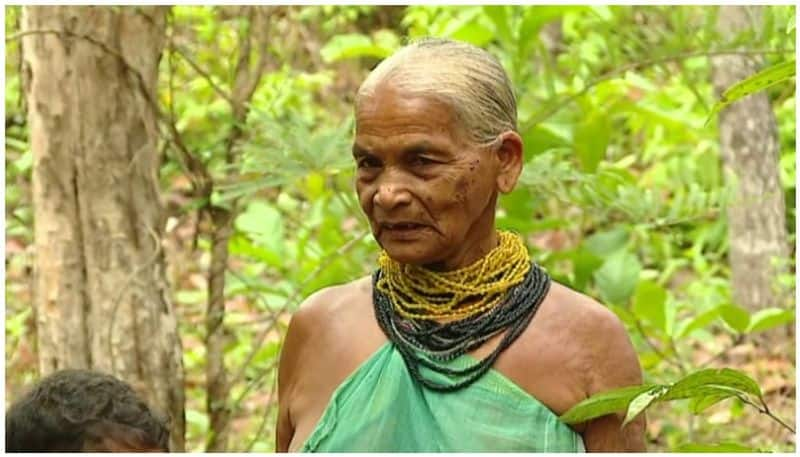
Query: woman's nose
x,y
391,195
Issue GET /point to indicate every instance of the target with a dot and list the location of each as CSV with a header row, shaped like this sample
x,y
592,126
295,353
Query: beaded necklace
x,y
420,293
424,342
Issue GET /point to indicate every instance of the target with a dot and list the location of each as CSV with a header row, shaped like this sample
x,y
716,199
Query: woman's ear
x,y
509,156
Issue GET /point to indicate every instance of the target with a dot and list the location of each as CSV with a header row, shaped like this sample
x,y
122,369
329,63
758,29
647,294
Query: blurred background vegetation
x,y
623,194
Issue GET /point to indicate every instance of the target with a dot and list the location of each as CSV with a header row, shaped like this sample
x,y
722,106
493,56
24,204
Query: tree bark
x,y
759,250
100,291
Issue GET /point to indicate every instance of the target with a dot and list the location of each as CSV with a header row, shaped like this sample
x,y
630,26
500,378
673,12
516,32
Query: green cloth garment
x,y
380,408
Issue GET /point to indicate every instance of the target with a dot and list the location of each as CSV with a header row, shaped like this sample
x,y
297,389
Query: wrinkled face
x,y
429,195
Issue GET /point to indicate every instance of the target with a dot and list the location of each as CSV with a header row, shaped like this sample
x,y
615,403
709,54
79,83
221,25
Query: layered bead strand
x,y
506,304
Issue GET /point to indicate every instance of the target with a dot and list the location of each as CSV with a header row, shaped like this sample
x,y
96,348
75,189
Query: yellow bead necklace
x,y
420,293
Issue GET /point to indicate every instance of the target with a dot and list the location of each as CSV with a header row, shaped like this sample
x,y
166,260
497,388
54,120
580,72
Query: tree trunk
x,y
100,292
759,250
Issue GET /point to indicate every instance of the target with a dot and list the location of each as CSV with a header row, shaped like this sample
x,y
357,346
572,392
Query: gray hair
x,y
467,79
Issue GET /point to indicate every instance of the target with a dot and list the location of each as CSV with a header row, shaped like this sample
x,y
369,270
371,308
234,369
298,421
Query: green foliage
x,y
715,448
762,80
715,384
381,44
769,318
649,304
622,195
604,403
616,279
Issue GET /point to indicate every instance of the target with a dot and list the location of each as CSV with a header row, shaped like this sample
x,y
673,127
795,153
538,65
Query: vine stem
x,y
773,416
764,409
673,361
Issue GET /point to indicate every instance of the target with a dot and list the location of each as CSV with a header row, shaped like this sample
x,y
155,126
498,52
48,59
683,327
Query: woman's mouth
x,y
401,226
402,230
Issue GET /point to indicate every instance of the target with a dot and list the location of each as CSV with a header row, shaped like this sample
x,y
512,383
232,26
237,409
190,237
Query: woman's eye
x,y
420,160
367,162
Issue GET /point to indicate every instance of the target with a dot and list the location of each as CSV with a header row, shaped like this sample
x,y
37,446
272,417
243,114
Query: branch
x,y
764,409
636,66
253,383
658,351
244,85
259,340
217,387
266,416
246,80
185,55
773,416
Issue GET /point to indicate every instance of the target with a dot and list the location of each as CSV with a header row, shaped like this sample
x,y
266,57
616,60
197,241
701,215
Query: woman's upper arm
x,y
296,337
614,364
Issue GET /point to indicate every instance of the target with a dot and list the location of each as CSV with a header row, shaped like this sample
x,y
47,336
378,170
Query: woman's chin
x,y
412,253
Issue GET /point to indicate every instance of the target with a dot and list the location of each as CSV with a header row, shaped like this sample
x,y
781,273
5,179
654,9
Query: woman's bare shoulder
x,y
610,358
335,300
589,333
582,313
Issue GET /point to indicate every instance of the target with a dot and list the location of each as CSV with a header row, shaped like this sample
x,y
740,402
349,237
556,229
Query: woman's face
x,y
428,193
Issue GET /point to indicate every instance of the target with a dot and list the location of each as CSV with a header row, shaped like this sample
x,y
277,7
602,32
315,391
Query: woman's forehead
x,y
389,112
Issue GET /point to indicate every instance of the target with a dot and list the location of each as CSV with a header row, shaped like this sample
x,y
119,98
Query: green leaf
x,y
584,264
533,20
21,146
467,26
722,447
518,206
386,39
768,77
737,317
315,185
474,32
542,137
617,278
351,45
698,321
791,25
604,403
605,243
264,225
624,315
499,17
591,139
641,402
25,161
769,318
712,381
699,404
649,304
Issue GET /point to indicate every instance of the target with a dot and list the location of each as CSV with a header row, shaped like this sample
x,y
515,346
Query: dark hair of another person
x,y
80,410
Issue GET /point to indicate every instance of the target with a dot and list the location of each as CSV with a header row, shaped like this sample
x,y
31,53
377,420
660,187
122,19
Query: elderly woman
x,y
458,341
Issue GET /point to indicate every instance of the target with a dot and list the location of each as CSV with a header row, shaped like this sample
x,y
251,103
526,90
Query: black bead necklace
x,y
425,342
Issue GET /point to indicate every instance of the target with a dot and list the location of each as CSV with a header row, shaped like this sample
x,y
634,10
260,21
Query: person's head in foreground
x,y
83,411
438,349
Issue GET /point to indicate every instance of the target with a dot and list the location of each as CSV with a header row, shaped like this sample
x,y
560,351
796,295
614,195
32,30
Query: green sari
x,y
380,408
